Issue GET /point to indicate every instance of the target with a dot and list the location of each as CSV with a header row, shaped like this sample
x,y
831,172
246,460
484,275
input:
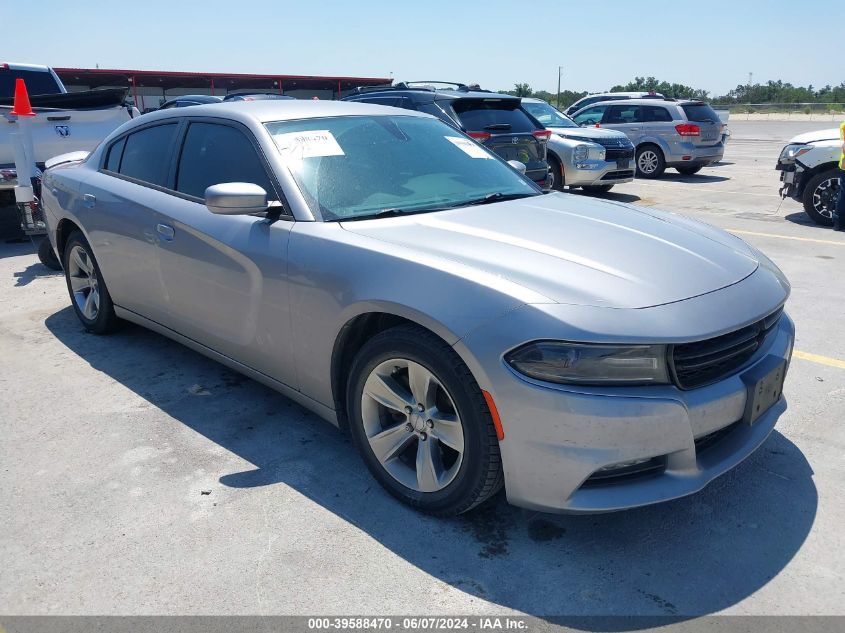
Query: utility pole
x,y
750,79
558,86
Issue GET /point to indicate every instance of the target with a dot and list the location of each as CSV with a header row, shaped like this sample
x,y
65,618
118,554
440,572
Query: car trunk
x,y
708,122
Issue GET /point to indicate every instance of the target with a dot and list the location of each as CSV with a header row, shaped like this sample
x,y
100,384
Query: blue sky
x,y
709,44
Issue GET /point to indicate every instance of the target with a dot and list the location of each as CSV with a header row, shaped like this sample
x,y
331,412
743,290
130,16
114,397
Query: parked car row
x,y
606,143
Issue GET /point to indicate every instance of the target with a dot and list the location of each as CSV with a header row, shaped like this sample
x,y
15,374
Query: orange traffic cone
x,y
22,107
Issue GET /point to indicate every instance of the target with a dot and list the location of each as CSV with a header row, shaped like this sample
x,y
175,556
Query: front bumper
x,y
558,438
792,176
598,172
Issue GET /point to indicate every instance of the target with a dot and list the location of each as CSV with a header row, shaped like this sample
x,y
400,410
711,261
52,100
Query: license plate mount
x,y
623,163
764,383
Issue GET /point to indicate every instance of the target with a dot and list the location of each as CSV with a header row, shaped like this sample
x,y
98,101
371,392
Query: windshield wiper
x,y
495,197
384,213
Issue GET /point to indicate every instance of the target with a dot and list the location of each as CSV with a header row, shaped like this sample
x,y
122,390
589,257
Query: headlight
x,y
581,152
791,152
591,364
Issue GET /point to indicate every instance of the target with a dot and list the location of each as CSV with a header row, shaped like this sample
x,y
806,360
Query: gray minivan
x,y
686,135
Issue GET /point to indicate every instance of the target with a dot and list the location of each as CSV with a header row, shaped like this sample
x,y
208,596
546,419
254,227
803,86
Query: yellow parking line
x,y
787,237
822,360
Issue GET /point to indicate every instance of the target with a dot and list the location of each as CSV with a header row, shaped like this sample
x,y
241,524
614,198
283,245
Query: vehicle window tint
x,y
590,115
395,102
493,115
115,152
653,114
624,114
213,154
700,113
147,152
37,82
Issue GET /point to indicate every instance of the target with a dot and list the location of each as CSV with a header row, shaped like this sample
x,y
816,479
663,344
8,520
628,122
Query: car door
x,y
590,116
626,118
120,202
225,276
657,124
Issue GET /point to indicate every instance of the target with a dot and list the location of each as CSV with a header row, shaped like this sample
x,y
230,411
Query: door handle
x,y
89,200
165,232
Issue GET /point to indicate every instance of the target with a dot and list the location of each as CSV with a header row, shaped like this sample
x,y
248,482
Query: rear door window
x,y
37,82
146,155
115,153
620,114
213,154
493,115
655,114
700,113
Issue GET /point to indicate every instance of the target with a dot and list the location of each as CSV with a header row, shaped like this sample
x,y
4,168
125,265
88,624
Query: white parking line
x,y
786,237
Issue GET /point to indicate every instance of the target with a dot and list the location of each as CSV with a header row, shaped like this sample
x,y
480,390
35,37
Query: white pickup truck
x,y
809,171
64,122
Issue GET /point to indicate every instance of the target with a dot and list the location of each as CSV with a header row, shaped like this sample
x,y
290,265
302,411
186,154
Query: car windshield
x,y
355,167
547,115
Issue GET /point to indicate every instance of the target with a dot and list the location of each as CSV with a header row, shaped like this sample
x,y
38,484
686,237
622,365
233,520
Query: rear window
x,y
37,82
700,113
489,115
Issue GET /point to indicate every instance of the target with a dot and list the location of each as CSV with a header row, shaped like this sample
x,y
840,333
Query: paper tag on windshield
x,y
308,144
469,147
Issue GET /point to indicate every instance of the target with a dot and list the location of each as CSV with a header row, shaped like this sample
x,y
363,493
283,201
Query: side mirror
x,y
235,198
520,167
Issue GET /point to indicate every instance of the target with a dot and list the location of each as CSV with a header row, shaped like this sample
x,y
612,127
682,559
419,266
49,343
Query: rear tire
x,y
819,196
650,161
597,189
88,293
48,256
446,425
689,171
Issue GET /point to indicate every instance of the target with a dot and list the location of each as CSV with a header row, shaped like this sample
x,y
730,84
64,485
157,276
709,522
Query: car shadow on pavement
x,y
700,179
678,560
617,196
804,220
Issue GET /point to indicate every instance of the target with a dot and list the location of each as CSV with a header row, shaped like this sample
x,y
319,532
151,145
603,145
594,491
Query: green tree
x,y
522,90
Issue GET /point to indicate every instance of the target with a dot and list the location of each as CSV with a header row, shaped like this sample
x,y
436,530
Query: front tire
x,y
819,196
558,177
88,292
421,423
650,162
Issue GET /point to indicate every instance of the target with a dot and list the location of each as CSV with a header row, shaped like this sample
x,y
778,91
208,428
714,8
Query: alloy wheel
x,y
647,161
412,425
83,282
824,197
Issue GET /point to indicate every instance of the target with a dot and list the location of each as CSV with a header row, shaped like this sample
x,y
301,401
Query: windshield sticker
x,y
470,148
308,144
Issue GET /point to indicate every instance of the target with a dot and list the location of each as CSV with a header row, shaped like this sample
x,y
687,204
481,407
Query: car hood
x,y
577,250
586,132
820,135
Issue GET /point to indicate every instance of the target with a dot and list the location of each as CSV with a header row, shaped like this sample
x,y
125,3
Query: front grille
x,y
616,175
704,362
619,154
611,143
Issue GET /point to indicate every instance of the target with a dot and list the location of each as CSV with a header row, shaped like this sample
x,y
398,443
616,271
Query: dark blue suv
x,y
498,121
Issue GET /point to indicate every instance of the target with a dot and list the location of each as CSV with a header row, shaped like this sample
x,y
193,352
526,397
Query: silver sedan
x,y
403,282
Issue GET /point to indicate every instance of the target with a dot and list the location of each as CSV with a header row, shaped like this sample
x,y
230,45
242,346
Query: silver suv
x,y
686,135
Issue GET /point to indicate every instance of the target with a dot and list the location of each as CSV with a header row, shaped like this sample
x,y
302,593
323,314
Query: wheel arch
x,y
812,172
356,331
64,228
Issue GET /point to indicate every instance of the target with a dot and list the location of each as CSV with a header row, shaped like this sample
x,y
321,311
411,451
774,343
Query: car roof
x,y
663,102
31,67
263,111
435,94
